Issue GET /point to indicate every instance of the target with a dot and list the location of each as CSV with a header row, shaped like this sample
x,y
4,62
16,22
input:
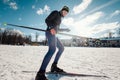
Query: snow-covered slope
x,y
98,61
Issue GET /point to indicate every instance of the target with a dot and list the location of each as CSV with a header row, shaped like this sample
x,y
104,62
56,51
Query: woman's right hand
x,y
52,31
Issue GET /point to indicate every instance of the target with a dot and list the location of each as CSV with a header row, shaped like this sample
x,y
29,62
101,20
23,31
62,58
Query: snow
x,y
97,61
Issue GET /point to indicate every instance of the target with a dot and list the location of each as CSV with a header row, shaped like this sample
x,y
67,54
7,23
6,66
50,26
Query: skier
x,y
53,22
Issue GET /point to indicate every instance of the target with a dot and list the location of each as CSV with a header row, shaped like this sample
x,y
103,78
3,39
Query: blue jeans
x,y
53,42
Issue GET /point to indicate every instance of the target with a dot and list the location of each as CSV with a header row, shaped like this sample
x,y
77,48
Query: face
x,y
64,13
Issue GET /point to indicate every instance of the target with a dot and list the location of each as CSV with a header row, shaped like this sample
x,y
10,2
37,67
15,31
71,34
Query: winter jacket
x,y
53,20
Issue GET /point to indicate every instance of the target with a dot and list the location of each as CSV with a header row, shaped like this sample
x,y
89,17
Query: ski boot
x,y
56,69
41,76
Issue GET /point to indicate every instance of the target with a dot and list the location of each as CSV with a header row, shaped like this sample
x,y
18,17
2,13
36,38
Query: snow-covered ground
x,y
98,61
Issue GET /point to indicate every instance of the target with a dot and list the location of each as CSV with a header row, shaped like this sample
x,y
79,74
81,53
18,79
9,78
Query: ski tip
x,y
106,76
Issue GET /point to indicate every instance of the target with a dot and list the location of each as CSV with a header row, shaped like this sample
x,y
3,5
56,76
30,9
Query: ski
x,y
75,74
69,74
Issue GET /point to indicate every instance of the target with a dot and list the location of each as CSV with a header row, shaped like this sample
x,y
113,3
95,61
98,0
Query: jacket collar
x,y
60,12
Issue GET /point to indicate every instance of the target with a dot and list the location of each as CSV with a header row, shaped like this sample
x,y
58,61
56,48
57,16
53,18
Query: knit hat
x,y
65,8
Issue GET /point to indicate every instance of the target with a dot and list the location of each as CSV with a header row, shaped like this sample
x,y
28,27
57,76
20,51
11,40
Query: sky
x,y
87,18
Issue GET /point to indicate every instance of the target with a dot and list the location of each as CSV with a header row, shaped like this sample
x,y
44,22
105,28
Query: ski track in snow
x,y
96,61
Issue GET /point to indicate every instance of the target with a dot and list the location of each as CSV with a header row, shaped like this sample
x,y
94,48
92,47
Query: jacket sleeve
x,y
50,19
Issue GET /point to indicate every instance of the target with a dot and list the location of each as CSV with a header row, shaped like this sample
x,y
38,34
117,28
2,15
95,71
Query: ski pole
x,y
26,27
42,30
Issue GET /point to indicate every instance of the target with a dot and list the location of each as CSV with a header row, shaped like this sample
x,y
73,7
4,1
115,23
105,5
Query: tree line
x,y
13,37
